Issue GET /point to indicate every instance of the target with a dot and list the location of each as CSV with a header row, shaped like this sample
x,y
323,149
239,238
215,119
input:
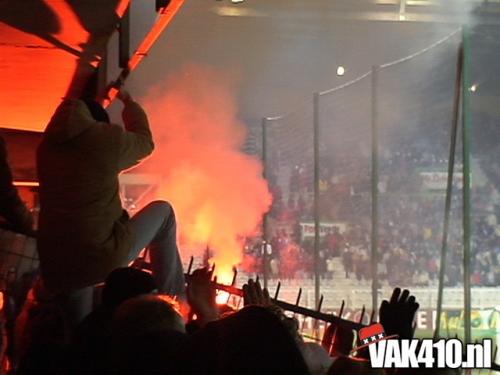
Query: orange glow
x,y
33,80
39,64
171,301
72,32
221,298
224,273
26,183
22,104
1,301
218,192
8,366
122,7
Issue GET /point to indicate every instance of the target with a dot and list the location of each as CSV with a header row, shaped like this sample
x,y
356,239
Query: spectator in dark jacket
x,y
84,233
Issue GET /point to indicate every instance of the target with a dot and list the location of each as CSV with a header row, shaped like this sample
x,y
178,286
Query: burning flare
x,y
217,191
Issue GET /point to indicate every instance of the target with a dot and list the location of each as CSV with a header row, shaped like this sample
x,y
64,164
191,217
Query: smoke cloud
x,y
217,191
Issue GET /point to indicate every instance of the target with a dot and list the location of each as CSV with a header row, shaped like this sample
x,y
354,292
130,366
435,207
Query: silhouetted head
x,y
161,352
125,283
96,110
250,341
144,314
147,337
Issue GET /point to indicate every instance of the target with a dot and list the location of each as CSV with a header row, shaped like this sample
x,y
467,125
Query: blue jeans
x,y
155,229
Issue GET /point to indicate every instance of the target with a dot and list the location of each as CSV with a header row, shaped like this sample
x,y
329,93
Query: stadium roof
x,y
48,50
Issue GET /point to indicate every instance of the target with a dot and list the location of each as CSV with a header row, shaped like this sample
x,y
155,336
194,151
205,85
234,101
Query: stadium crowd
x,y
88,312
131,328
411,213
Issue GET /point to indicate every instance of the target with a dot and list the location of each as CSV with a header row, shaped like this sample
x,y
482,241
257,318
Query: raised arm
x,y
137,141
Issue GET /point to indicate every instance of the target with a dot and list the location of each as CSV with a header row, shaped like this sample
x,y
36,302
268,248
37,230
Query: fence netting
x,y
290,172
485,179
415,100
344,133
405,167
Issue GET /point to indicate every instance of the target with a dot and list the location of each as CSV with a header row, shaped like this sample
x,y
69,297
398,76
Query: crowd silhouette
x,y
88,312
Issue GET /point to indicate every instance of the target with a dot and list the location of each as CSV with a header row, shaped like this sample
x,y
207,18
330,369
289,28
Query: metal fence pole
x,y
466,129
449,188
374,190
317,222
265,234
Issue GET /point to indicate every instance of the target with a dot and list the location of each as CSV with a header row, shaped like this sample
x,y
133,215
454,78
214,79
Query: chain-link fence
x,y
289,169
364,195
482,141
344,140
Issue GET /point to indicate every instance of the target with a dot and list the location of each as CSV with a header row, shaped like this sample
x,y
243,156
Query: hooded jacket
x,y
84,232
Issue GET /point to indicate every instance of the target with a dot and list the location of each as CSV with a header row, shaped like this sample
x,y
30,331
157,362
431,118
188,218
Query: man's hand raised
x,y
397,314
253,294
201,295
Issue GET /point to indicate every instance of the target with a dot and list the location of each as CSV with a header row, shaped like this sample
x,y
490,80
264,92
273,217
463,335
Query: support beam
x,y
265,232
449,188
374,190
317,219
466,135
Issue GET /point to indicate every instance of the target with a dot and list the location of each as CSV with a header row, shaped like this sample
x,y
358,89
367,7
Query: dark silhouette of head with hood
x,y
250,341
125,283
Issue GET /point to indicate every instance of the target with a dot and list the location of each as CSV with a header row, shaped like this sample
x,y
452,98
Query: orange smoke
x,y
217,191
